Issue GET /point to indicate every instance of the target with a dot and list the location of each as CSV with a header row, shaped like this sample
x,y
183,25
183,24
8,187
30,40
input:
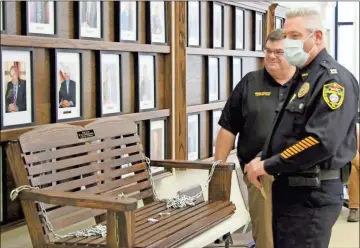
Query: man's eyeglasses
x,y
277,53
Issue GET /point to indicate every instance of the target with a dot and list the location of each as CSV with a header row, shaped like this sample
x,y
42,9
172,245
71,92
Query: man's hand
x,y
254,170
12,107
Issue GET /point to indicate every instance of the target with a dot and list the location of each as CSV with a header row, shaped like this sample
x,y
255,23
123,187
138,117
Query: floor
x,y
345,235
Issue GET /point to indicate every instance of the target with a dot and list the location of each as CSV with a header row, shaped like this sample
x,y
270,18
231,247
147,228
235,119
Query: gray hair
x,y
275,35
312,18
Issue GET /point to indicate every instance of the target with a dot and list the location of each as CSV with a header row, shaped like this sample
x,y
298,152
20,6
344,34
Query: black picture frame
x,y
232,67
117,26
32,86
212,27
3,15
211,134
99,103
236,28
207,79
149,141
148,24
25,23
77,21
137,81
198,136
188,24
255,31
54,103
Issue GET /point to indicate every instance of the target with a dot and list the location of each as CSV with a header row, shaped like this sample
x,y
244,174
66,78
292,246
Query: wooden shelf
x,y
13,134
49,42
205,107
223,52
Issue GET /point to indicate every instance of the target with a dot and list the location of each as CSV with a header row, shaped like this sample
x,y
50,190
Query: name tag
x,y
262,93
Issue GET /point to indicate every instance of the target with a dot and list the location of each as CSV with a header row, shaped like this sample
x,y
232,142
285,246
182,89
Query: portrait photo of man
x,y
15,95
157,144
109,83
146,93
39,12
67,92
127,15
89,14
157,20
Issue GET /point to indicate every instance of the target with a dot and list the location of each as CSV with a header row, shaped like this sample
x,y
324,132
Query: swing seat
x,y
99,171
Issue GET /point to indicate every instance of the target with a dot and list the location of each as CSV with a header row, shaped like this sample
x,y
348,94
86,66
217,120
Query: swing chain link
x,y
175,202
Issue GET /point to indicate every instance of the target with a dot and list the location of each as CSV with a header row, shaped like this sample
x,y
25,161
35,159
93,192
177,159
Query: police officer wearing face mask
x,y
313,139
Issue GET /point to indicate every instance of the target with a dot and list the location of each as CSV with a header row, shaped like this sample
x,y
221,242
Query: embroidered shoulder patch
x,y
333,94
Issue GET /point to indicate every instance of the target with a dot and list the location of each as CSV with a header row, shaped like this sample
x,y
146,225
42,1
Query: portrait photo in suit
x,y
213,79
157,16
40,17
194,23
68,84
217,25
128,20
193,136
110,90
15,95
16,87
157,141
90,19
146,81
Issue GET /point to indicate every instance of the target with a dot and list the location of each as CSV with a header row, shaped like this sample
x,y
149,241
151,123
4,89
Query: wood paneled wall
x,y
181,70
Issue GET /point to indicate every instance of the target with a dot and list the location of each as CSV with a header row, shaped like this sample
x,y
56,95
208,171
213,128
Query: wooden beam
x,y
180,43
270,19
223,52
13,134
205,107
48,42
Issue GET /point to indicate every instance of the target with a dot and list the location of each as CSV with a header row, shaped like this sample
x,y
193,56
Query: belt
x,y
329,174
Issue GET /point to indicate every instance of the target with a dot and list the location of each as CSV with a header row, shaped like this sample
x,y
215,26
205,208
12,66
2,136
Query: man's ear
x,y
318,36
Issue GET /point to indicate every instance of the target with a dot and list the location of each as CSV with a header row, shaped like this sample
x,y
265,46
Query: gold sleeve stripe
x,y
300,146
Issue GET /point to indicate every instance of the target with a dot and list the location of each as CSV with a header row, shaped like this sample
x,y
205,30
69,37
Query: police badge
x,y
333,94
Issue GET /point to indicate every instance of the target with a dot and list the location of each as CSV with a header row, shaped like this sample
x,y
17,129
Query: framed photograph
x,y
126,21
89,19
193,137
259,31
156,142
156,24
67,93
40,18
239,28
279,22
213,79
145,86
2,16
215,127
236,69
109,81
17,87
217,25
194,23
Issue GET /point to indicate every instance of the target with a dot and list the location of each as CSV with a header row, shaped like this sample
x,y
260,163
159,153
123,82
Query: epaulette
x,y
330,68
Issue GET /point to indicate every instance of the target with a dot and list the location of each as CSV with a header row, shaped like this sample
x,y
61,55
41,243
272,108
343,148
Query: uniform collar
x,y
322,55
271,80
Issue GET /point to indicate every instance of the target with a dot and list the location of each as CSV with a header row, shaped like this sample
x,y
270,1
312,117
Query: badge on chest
x,y
303,90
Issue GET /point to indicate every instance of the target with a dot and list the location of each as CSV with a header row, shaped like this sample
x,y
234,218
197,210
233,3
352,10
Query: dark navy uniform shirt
x,y
250,111
316,124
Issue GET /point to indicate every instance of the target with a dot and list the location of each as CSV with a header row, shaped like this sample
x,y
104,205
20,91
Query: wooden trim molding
x,y
280,11
48,42
205,107
13,134
260,6
223,52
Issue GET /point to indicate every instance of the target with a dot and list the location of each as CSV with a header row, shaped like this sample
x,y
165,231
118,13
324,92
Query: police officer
x,y
249,112
312,139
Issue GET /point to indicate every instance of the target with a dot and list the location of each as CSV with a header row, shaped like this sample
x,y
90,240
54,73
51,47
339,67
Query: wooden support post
x,y
180,43
270,19
120,229
220,186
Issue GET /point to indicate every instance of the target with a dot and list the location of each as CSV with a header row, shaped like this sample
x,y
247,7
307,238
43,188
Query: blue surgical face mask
x,y
294,52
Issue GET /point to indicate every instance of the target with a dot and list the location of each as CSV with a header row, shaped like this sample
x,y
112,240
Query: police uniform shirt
x,y
250,111
316,125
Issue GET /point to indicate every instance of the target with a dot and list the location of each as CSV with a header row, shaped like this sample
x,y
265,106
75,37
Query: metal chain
x,y
175,202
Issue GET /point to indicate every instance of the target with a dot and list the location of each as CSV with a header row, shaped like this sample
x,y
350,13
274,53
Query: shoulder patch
x,y
333,94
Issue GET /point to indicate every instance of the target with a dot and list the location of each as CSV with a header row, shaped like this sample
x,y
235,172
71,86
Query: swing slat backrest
x,y
104,157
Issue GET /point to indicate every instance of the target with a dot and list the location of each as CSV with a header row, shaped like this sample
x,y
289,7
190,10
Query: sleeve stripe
x,y
302,145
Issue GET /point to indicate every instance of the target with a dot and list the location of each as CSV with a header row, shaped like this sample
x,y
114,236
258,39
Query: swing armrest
x,y
79,200
185,164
